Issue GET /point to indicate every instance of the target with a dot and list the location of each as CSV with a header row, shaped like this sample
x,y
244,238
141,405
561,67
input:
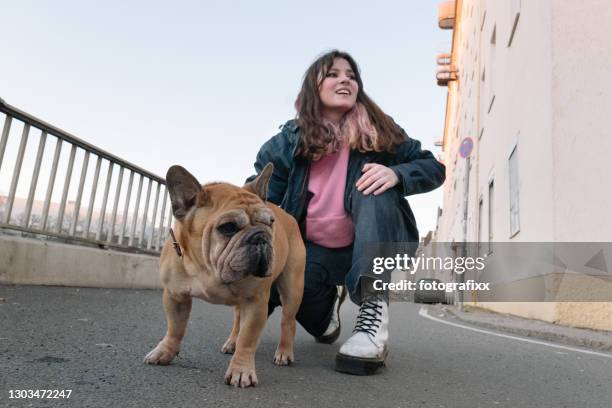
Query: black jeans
x,y
325,268
377,220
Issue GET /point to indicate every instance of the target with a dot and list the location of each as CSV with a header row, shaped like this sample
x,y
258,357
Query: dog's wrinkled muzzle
x,y
259,254
252,257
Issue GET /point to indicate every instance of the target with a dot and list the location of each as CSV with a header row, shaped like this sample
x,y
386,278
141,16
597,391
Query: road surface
x,y
92,341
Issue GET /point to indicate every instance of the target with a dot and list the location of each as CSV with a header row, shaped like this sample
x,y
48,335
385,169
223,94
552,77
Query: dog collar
x,y
176,245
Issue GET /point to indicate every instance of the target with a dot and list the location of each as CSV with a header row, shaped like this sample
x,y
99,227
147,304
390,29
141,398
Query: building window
x,y
515,13
514,192
490,79
491,104
490,214
484,18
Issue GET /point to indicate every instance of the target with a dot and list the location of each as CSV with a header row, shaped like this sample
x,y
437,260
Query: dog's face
x,y
225,227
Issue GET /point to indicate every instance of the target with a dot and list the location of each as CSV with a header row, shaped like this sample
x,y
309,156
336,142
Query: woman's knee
x,y
386,200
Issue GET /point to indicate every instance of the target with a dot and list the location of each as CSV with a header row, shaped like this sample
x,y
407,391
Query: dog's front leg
x,y
230,343
177,310
241,370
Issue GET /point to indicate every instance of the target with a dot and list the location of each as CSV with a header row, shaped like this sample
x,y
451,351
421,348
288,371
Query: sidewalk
x,y
592,339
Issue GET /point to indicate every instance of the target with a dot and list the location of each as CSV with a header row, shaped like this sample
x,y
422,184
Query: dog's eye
x,y
228,229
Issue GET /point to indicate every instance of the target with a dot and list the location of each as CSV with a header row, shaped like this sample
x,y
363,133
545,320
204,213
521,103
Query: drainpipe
x,y
466,193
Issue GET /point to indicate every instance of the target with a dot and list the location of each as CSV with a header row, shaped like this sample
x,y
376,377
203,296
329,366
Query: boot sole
x,y
358,365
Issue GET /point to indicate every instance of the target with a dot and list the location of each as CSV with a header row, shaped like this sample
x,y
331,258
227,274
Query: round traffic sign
x,y
465,149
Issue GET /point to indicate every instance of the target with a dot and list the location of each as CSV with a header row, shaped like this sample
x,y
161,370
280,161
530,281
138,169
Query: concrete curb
x,y
27,261
592,339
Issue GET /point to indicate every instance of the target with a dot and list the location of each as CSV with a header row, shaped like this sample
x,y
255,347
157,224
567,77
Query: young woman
x,y
342,168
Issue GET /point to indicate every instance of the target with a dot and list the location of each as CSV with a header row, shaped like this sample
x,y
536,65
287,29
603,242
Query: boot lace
x,y
367,320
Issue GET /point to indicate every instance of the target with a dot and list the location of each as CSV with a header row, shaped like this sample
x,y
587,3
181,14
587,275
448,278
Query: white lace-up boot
x,y
332,332
365,351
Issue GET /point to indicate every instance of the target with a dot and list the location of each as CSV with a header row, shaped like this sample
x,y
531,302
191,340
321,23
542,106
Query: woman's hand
x,y
376,178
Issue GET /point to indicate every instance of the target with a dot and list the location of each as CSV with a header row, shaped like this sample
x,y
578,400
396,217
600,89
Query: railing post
x,y
111,233
62,209
39,154
162,215
141,242
92,197
135,217
16,171
150,240
77,203
56,156
5,132
109,176
126,207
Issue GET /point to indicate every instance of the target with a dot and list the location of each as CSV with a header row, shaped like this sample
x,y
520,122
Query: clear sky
x,y
205,83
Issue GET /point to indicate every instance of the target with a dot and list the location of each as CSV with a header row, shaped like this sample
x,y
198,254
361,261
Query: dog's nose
x,y
261,267
257,238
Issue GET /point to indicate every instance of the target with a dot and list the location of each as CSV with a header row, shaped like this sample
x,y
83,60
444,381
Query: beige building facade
x,y
528,82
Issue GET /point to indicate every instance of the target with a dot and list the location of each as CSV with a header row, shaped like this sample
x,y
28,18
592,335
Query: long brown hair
x,y
365,127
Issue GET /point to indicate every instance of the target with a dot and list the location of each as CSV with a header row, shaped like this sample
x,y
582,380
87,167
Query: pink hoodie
x,y
327,222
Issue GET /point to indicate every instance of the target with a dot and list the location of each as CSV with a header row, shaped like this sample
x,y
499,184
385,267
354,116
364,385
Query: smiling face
x,y
338,90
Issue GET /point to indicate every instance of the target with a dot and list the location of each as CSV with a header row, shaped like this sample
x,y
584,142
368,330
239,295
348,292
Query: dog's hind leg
x,y
177,310
230,344
291,288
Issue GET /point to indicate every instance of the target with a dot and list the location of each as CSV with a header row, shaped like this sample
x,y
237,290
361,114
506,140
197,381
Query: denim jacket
x,y
418,171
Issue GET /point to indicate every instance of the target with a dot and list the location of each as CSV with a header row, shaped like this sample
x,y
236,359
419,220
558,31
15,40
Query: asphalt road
x,y
92,341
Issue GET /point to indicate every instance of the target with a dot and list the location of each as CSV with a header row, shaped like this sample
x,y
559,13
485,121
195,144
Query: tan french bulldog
x,y
230,246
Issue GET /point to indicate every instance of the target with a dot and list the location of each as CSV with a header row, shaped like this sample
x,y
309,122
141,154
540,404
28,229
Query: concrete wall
x,y
582,108
35,262
552,100
520,116
517,78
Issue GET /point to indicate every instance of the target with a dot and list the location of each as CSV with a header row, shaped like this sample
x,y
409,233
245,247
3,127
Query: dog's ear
x,y
259,186
184,190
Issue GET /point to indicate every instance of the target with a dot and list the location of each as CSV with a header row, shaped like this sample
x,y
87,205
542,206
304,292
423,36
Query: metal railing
x,y
79,216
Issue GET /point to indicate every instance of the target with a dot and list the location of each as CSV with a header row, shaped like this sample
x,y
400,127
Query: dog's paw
x,y
241,376
283,357
229,347
162,354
